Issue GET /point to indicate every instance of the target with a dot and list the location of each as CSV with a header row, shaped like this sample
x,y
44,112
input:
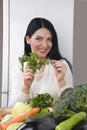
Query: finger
x,y
54,61
28,70
28,74
61,69
28,77
60,76
60,73
58,64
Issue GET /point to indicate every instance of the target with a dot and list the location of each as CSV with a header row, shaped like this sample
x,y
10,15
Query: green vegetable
x,y
71,122
47,109
40,116
61,109
33,60
71,101
79,98
42,100
67,92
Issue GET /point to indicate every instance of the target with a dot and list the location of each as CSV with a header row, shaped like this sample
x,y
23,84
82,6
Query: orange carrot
x,y
20,118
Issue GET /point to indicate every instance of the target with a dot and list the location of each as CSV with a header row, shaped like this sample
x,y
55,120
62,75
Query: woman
x,y
40,38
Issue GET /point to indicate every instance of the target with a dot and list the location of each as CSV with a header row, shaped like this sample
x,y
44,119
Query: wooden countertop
x,y
4,111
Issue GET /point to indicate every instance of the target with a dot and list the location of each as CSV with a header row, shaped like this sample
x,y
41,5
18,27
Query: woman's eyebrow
x,y
39,36
43,37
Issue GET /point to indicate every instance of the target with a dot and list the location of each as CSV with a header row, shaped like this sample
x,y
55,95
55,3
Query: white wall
x,y
59,12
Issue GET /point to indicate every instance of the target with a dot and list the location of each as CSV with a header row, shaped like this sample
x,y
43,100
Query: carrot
x,y
20,118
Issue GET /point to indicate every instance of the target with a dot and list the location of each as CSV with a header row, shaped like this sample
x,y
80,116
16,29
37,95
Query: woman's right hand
x,y
28,76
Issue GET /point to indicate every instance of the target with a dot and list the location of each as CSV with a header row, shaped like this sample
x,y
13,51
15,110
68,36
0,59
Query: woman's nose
x,y
44,44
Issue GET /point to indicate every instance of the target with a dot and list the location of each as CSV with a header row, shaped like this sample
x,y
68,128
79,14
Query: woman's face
x,y
40,42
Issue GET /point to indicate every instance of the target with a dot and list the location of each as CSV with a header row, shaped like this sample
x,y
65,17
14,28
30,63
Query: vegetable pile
x,y
33,61
71,101
20,118
69,111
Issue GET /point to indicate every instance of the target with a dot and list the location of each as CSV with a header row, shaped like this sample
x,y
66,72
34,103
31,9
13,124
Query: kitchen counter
x,y
4,111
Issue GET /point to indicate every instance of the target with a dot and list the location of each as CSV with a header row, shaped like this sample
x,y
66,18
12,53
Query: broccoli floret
x,y
79,98
61,108
67,92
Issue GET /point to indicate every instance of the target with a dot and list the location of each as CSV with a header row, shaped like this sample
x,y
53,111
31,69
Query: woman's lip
x,y
42,50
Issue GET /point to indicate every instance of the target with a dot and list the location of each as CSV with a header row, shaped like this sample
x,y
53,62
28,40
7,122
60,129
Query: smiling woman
x,y
15,24
40,41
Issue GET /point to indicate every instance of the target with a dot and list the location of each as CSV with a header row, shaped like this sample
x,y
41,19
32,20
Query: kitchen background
x,y
69,18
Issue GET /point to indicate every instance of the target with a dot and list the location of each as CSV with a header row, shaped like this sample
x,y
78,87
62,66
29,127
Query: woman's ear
x,y
27,39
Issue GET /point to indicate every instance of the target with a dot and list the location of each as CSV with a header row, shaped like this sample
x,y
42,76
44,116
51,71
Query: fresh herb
x,y
33,61
42,100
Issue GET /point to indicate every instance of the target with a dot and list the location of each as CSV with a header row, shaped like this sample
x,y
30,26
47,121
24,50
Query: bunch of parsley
x,y
33,61
42,100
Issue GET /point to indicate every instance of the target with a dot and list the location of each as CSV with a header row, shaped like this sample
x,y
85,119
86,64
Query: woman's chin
x,y
42,55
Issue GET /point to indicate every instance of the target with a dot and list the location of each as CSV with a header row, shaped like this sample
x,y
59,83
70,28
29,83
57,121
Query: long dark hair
x,y
36,24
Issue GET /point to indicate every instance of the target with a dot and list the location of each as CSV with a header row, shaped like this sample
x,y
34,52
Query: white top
x,y
43,82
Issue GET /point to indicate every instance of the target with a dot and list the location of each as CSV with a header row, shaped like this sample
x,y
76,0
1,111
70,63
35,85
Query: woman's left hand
x,y
60,70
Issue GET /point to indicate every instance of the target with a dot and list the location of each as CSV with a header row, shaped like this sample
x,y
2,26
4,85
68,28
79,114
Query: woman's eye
x,y
50,40
38,38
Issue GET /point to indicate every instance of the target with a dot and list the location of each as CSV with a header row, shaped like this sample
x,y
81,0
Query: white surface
x,y
59,12
5,71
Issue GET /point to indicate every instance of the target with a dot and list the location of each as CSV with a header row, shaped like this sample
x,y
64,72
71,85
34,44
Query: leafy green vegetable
x,y
71,101
67,92
61,109
42,100
79,98
33,60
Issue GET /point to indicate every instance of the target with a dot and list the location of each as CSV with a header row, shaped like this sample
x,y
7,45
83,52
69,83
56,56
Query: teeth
x,y
42,50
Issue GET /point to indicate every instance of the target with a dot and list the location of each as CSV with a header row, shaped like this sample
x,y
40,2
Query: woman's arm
x,y
16,83
63,73
28,77
68,78
60,71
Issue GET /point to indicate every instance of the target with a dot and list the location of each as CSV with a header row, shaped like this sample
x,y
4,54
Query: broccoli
x,y
61,109
67,92
79,98
71,101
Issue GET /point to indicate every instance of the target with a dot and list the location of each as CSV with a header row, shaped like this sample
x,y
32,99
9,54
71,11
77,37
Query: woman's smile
x,y
42,50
